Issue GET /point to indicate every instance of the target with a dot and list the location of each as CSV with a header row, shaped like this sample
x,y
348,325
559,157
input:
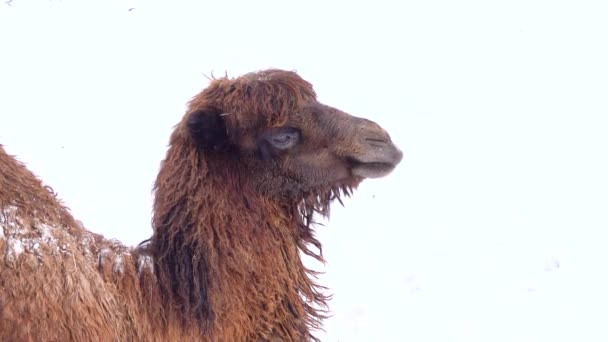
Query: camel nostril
x,y
377,142
384,141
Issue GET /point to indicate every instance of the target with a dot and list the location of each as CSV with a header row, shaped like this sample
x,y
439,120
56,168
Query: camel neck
x,y
228,256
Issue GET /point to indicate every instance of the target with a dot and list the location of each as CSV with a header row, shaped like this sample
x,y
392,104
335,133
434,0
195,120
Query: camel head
x,y
293,146
248,166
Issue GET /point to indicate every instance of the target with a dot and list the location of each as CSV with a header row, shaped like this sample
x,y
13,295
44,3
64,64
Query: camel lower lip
x,y
372,170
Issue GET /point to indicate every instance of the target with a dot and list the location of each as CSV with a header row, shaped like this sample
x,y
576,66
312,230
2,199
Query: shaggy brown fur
x,y
250,163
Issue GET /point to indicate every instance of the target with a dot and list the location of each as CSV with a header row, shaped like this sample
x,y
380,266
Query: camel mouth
x,y
376,162
372,170
375,167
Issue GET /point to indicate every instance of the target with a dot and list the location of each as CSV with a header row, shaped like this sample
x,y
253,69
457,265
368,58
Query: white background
x,y
491,229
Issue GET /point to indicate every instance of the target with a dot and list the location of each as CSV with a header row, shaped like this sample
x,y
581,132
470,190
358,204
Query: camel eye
x,y
284,138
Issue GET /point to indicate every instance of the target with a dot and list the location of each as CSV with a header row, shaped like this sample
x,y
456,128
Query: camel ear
x,y
208,129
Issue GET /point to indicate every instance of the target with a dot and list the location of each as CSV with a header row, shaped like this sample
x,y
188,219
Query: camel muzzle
x,y
377,155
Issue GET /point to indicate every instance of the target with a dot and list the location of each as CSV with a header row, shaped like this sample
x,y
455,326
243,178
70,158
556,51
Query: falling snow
x,y
491,228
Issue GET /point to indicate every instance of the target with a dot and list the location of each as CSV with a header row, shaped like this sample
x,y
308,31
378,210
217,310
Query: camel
x,y
251,163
